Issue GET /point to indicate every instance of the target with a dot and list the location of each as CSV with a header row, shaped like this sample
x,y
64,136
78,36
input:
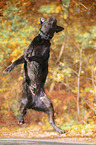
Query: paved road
x,y
37,142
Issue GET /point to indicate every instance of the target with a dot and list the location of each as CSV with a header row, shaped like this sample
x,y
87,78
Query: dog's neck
x,y
43,35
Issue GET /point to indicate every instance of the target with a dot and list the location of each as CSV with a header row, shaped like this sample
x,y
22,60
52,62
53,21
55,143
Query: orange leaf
x,y
3,20
3,78
10,58
29,3
45,15
92,20
38,22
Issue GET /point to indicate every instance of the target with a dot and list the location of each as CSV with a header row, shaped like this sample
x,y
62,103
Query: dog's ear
x,y
41,20
59,28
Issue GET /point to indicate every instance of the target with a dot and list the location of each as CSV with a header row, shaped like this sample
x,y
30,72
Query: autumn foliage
x,y
71,82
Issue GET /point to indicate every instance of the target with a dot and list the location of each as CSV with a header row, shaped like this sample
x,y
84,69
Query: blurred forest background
x,y
71,82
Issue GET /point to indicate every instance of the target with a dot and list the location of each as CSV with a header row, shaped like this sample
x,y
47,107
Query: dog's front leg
x,y
36,58
20,60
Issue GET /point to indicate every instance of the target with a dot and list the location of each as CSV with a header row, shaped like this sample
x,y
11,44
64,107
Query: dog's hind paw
x,y
61,131
20,122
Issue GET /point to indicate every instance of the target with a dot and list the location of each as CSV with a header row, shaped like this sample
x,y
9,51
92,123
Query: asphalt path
x,y
10,141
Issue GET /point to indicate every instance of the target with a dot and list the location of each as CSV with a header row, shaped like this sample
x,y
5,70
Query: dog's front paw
x,y
8,69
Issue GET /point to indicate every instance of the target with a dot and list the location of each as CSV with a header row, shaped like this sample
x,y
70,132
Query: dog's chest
x,y
39,50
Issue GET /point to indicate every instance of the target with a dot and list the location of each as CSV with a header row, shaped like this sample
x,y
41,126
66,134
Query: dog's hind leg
x,y
23,103
48,108
22,112
51,119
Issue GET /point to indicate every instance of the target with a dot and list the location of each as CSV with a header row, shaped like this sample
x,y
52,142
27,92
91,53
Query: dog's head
x,y
49,27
